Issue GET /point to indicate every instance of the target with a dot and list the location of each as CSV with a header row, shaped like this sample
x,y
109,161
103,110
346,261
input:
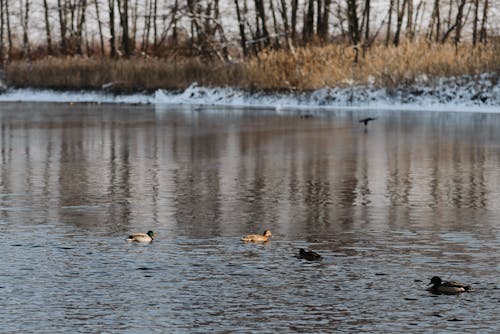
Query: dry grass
x,y
334,65
307,69
126,74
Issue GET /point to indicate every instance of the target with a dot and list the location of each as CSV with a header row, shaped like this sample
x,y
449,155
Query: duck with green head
x,y
141,237
257,237
447,288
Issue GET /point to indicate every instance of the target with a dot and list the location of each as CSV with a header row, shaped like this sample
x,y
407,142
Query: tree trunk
x,y
80,25
482,33
435,21
475,22
61,10
275,24
353,22
308,28
401,11
123,11
261,17
25,20
174,22
458,24
1,30
47,27
155,24
409,20
295,8
9,31
367,22
241,24
147,26
389,23
99,26
325,21
112,37
135,15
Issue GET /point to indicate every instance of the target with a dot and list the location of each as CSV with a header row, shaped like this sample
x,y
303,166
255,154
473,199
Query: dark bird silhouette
x,y
447,288
309,255
367,119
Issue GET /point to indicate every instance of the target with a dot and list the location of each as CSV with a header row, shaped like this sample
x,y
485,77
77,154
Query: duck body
x,y
447,288
309,255
141,237
367,119
257,237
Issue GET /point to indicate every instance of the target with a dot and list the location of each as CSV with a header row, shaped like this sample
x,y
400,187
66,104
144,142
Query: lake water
x,y
416,194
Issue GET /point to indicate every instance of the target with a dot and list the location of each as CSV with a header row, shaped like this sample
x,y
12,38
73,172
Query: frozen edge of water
x,y
448,94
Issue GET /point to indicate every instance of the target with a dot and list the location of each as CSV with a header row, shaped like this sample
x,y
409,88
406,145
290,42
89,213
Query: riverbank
x,y
304,70
415,75
481,93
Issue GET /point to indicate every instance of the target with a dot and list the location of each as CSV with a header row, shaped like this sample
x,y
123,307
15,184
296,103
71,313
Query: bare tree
x,y
435,21
1,30
9,31
308,28
123,11
241,25
261,22
324,22
353,22
99,26
112,38
400,11
24,23
409,20
295,8
389,23
482,33
61,11
47,27
82,8
475,22
459,21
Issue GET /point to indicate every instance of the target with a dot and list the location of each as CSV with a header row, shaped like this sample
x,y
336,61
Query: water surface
x,y
413,195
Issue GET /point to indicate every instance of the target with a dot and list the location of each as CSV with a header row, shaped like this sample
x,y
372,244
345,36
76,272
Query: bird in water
x,y
308,255
257,237
447,288
366,120
141,237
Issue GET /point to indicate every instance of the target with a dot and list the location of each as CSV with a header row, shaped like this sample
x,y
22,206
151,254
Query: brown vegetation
x,y
305,69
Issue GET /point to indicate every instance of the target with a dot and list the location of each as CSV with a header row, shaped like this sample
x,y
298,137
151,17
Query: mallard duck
x,y
447,288
141,237
257,237
309,255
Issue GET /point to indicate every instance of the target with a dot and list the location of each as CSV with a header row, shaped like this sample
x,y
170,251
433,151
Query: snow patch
x,y
481,93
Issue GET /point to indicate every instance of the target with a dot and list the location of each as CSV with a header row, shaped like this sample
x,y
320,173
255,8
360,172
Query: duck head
x,y
267,233
436,281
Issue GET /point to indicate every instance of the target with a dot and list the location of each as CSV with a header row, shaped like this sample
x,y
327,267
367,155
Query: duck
x,y
141,237
366,120
309,255
447,288
257,237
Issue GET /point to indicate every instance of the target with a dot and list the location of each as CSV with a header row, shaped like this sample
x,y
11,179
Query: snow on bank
x,y
463,93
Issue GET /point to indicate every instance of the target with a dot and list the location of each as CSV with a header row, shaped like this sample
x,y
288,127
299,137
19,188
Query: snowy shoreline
x,y
458,94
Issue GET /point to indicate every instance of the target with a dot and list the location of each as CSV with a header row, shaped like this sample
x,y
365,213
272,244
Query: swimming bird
x,y
309,255
257,237
366,120
447,288
141,237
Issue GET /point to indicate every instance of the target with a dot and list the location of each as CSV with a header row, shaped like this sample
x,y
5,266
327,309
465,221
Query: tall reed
x,y
307,68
